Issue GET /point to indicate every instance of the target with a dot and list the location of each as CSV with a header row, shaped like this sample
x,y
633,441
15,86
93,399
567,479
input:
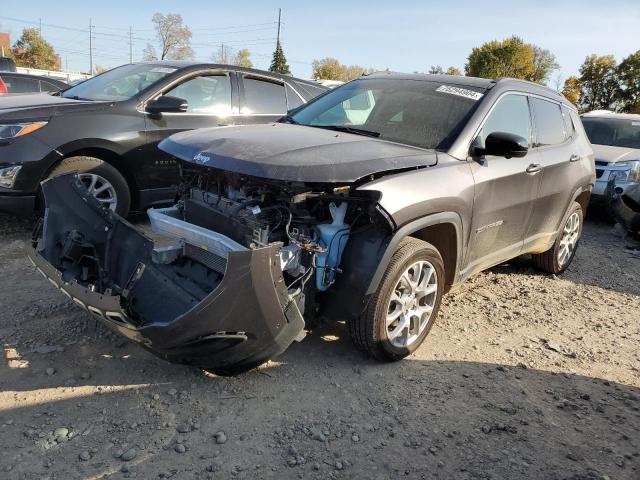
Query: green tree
x,y
173,36
243,58
279,61
453,71
544,62
572,90
599,83
511,57
331,69
436,70
33,51
628,72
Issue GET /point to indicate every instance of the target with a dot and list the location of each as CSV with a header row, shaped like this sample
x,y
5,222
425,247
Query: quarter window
x,y
264,97
510,115
550,124
206,94
293,99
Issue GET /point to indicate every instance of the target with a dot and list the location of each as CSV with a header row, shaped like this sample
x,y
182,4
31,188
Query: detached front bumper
x,y
171,301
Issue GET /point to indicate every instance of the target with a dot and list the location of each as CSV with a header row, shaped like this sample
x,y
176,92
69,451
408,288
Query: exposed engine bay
x,y
240,266
311,224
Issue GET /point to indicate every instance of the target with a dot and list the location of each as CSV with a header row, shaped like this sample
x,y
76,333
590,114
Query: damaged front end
x,y
238,263
208,302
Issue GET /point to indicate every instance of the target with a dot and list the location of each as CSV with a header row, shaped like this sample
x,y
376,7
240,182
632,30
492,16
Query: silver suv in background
x,y
616,144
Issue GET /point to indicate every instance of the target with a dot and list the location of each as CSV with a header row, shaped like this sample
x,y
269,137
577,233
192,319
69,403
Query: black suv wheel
x,y
405,306
102,180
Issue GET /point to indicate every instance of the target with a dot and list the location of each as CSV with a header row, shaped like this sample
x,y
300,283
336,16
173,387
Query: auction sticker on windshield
x,y
461,92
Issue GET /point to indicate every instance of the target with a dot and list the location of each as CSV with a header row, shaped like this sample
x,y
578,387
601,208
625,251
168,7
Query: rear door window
x,y
511,115
549,122
210,94
263,97
21,85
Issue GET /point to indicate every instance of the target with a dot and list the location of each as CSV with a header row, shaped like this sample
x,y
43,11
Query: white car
x,y
615,138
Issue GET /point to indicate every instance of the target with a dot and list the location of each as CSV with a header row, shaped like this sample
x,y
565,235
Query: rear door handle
x,y
574,158
534,168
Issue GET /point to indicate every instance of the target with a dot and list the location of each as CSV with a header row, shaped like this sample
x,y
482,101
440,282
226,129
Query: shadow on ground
x,y
319,409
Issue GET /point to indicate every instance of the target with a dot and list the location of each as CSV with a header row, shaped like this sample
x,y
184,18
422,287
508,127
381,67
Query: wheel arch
x,y
443,230
104,152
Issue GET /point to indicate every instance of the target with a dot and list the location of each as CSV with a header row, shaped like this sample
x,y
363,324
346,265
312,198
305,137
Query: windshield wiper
x,y
347,129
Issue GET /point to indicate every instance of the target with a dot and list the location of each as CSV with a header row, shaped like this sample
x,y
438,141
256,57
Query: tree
x,y
33,51
331,69
243,58
436,70
453,71
174,37
572,89
599,83
355,71
511,57
279,61
544,62
149,53
628,72
100,69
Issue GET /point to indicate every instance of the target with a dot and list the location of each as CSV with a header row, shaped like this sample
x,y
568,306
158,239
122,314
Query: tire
x,y
370,332
103,173
552,261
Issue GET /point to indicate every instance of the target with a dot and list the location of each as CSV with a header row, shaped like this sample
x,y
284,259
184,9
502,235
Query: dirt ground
x,y
523,376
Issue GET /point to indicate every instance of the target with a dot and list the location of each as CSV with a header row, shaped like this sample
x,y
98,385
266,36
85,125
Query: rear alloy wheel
x,y
559,257
405,305
102,180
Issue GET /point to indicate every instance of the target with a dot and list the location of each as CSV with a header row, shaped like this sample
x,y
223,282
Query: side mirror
x,y
167,104
501,144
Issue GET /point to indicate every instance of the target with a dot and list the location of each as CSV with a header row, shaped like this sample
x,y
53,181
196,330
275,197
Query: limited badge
x,y
461,92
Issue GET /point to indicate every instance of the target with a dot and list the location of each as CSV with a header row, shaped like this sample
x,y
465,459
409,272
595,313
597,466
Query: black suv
x,y
365,205
107,128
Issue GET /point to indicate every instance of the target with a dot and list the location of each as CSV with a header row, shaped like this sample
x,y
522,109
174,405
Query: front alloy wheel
x,y
100,188
405,305
411,304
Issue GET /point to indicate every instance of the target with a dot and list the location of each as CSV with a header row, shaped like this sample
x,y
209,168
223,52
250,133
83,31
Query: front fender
x,y
410,228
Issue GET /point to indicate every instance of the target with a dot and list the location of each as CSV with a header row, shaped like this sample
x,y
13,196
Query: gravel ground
x,y
523,376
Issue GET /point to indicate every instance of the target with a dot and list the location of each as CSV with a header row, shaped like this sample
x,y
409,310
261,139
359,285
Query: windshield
x,y
121,83
617,132
424,114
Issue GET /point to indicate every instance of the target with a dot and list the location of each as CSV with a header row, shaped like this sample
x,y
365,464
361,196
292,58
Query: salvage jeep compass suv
x,y
367,205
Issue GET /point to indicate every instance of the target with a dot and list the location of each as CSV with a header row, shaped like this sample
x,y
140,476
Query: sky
x,y
404,36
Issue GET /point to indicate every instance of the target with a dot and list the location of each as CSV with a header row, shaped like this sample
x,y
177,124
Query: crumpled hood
x,y
607,153
294,152
35,106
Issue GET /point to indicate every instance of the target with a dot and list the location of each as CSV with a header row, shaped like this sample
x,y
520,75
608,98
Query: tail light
x,y
3,87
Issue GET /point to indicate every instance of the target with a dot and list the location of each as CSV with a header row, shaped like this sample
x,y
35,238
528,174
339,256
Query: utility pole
x,y
279,17
130,44
90,48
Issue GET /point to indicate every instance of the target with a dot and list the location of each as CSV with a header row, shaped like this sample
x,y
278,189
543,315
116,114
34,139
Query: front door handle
x,y
534,168
574,158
